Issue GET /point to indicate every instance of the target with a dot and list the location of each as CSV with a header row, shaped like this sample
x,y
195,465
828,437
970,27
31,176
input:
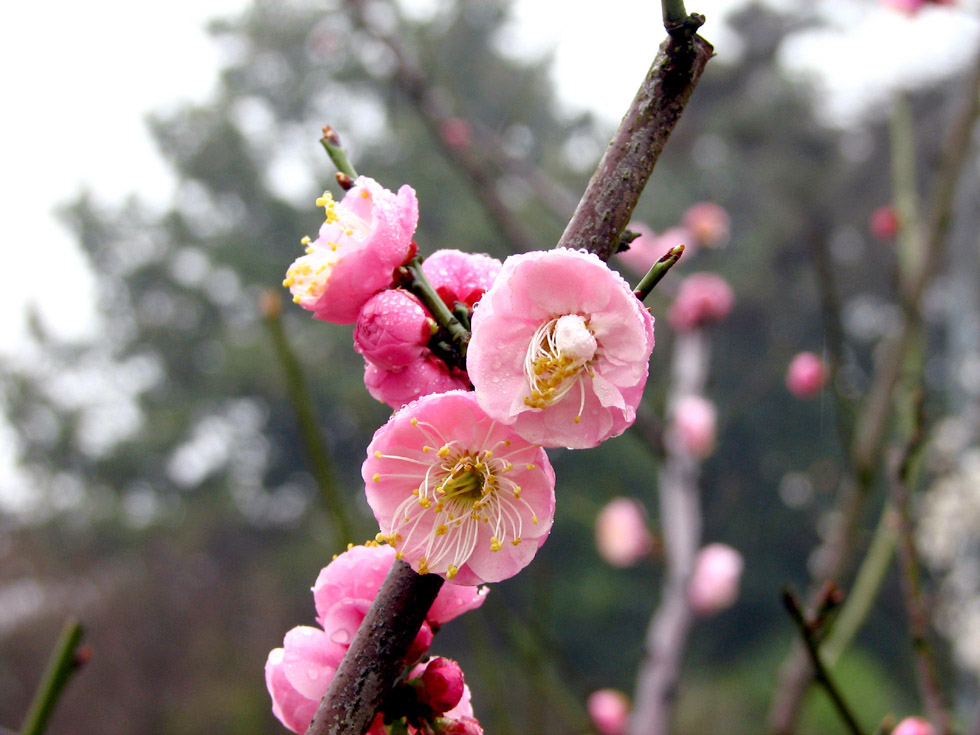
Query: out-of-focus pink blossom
x,y
650,247
363,239
456,132
609,710
457,493
715,580
695,424
621,532
708,223
560,349
459,276
884,223
428,374
702,299
441,684
806,375
392,329
914,726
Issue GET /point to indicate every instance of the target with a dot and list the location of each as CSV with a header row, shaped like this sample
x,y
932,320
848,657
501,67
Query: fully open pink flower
x,y
609,710
621,532
806,375
560,349
457,493
714,582
702,299
364,238
459,276
392,329
695,425
428,374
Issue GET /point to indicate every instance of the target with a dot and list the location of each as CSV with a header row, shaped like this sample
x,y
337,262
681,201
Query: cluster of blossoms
x,y
433,691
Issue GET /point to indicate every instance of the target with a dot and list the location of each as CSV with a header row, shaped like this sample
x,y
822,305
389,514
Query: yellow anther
x,y
530,466
425,502
443,451
534,520
399,554
441,529
517,491
377,453
423,566
376,477
495,544
306,240
426,449
516,541
577,419
414,421
452,571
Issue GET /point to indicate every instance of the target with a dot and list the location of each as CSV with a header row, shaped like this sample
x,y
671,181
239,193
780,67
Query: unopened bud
x,y
441,684
345,181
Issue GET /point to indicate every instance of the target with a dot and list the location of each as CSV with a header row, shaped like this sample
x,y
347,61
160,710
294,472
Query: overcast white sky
x,y
80,78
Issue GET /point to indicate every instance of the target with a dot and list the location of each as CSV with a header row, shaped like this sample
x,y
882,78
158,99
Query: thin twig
x,y
808,633
65,660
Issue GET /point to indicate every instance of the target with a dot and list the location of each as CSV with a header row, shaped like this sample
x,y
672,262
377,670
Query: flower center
x,y
350,222
559,353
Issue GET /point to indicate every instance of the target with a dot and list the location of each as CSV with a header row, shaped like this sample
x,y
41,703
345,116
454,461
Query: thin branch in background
x,y
375,658
680,521
809,630
309,425
66,658
919,620
869,434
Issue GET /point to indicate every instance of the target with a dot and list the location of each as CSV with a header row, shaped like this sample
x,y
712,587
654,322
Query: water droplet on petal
x,y
313,674
340,636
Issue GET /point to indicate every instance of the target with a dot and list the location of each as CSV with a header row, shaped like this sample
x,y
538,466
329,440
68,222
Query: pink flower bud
x,y
702,299
708,223
695,423
609,710
714,583
458,276
621,533
884,223
392,329
806,375
456,132
914,726
457,726
441,684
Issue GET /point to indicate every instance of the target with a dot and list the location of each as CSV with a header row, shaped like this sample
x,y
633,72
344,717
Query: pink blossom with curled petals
x,y
363,239
914,726
298,674
702,299
609,710
560,349
459,276
457,493
708,223
645,250
392,329
715,580
621,532
428,374
694,422
806,375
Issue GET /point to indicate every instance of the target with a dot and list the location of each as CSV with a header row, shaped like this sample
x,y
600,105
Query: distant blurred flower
x,y
621,532
456,132
914,6
714,583
708,223
695,424
609,710
913,726
645,250
702,299
883,223
806,375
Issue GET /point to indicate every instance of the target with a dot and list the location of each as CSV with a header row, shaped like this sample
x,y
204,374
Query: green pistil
x,y
467,485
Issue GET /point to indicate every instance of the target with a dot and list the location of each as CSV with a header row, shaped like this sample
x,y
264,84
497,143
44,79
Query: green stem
x,y
63,663
309,426
421,287
331,143
657,272
674,12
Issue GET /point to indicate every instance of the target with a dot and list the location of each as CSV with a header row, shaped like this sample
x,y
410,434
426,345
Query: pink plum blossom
x,y
298,674
806,375
440,685
621,532
884,223
363,239
914,726
708,223
650,247
695,425
393,329
702,299
714,582
457,493
459,276
456,132
428,374
609,710
560,349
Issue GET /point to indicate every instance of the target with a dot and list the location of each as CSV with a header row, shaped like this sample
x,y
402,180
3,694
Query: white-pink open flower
x,y
560,349
457,493
363,239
